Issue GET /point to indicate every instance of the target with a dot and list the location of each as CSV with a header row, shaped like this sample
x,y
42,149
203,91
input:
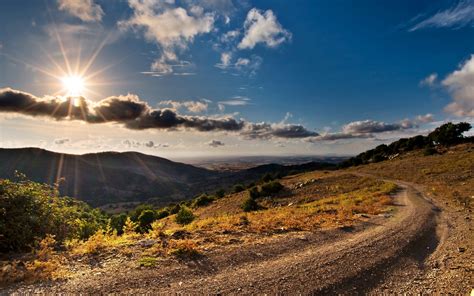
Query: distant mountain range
x,y
111,177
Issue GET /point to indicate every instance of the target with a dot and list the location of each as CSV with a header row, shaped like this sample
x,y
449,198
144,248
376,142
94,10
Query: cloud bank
x,y
133,113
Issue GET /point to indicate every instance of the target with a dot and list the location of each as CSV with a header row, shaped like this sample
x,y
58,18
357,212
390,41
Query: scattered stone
x,y
461,249
146,243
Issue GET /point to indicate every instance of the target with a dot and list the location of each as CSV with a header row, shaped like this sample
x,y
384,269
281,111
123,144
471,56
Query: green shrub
x,y
30,211
184,216
220,193
429,151
270,188
145,219
238,188
253,193
117,222
249,205
267,178
162,214
202,200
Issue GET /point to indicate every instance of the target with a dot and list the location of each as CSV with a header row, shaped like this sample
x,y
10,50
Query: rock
x,y
7,268
461,249
146,243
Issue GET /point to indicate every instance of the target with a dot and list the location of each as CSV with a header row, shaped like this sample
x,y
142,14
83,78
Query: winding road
x,y
343,261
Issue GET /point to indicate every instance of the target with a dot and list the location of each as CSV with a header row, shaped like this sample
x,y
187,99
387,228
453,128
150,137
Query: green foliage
x,y
429,151
446,135
162,214
253,193
138,211
30,211
145,219
270,188
202,200
238,188
117,222
449,134
147,261
250,204
267,178
220,193
184,216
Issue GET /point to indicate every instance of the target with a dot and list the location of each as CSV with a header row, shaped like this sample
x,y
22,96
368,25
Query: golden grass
x,y
449,176
317,213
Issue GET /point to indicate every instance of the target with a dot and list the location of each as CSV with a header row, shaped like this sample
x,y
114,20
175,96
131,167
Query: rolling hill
x,y
112,177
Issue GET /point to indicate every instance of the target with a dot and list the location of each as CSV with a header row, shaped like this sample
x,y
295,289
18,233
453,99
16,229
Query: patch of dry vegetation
x,y
448,176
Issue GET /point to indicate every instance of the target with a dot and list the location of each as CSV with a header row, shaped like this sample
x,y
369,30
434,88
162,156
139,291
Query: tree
x,y
449,134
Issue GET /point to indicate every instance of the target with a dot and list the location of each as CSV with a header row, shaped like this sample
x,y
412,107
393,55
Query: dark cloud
x,y
128,110
215,143
371,126
279,130
338,136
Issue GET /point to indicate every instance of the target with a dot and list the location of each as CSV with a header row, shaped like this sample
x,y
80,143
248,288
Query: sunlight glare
x,y
74,85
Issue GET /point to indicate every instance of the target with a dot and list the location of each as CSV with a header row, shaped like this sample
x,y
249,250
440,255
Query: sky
x,y
187,78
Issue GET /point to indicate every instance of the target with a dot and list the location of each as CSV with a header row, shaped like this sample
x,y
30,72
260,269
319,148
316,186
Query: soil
x,y
423,247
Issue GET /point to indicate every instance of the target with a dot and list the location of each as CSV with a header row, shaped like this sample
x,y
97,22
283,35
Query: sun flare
x,y
73,85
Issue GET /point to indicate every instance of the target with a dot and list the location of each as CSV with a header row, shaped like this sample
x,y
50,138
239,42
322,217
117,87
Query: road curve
x,y
343,262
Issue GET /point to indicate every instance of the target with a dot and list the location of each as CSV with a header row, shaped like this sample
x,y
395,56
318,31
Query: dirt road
x,y
373,258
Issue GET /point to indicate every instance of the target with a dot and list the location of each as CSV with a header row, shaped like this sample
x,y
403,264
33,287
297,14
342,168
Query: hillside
x,y
106,177
394,222
113,177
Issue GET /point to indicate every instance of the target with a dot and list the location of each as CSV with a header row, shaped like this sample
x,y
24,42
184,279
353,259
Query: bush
x,y
202,200
253,193
184,216
429,151
138,211
238,188
267,178
270,188
162,214
117,222
30,211
220,193
145,219
249,204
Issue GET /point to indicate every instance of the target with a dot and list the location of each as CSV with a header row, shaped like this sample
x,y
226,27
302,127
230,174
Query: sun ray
x,y
94,55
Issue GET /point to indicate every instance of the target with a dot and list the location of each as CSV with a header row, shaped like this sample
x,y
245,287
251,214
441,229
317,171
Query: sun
x,y
73,85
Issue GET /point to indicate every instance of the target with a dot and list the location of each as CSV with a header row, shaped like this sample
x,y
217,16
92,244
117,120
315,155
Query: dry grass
x,y
449,176
316,212
43,263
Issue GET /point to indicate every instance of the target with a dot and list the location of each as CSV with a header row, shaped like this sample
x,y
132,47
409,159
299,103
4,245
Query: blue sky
x,y
246,77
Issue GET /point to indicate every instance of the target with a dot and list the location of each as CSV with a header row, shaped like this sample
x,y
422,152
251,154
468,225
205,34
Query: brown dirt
x,y
409,252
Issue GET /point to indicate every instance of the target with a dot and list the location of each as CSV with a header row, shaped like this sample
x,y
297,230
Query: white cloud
x,y
460,84
249,66
191,106
235,101
170,27
430,80
263,28
86,10
462,14
425,118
